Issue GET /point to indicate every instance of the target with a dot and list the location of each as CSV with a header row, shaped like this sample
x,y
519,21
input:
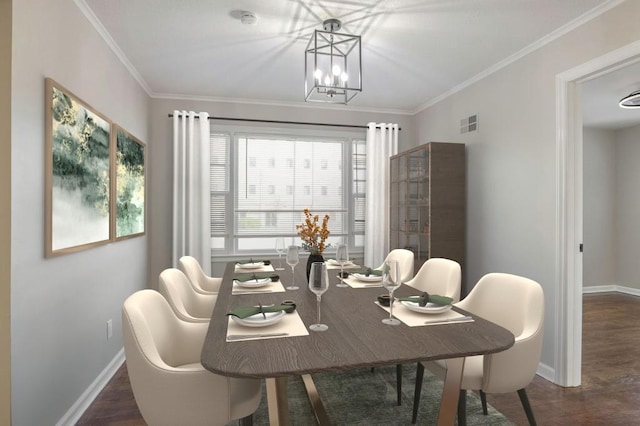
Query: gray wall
x,y
60,305
511,160
628,182
600,208
611,206
5,212
160,180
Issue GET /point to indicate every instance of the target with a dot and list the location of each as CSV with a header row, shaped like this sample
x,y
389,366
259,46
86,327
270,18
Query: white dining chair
x,y
170,385
201,282
517,304
188,304
436,276
405,259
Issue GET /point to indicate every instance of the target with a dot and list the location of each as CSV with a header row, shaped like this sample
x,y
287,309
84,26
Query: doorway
x,y
569,237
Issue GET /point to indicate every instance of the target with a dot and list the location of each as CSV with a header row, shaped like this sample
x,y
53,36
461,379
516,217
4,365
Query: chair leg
x,y
399,382
483,400
247,421
416,392
527,407
462,408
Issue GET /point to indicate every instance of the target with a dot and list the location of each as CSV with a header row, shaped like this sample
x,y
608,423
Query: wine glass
x,y
342,257
318,284
390,281
293,257
280,250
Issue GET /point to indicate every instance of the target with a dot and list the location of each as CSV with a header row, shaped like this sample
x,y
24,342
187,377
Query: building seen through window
x,y
253,202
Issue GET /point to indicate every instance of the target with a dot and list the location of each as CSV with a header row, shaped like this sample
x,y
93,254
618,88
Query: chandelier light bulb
x,y
344,77
327,80
318,74
336,70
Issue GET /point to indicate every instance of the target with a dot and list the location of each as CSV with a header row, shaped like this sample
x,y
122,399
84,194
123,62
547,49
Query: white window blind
x,y
262,182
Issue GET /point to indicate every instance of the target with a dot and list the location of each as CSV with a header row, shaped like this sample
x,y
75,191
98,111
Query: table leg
x,y
451,392
316,403
277,401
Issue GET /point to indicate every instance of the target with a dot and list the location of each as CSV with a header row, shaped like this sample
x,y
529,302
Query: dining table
x,y
356,338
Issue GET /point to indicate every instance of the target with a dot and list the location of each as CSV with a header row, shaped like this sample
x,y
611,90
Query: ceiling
x,y
414,51
600,97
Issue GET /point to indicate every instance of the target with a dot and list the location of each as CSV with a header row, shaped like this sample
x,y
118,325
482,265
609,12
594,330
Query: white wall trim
x,y
568,341
570,26
95,22
76,411
546,372
611,288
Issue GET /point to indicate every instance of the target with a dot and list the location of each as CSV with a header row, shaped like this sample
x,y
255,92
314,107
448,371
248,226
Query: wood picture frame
x,y
77,173
129,185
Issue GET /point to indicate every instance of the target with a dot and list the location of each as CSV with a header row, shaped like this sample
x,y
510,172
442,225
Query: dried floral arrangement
x,y
312,234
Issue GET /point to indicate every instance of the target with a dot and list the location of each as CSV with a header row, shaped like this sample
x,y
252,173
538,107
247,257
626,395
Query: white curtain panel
x,y
382,143
191,188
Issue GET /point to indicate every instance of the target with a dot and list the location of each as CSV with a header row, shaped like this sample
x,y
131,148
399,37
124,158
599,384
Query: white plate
x,y
260,282
368,279
431,308
253,265
334,262
258,320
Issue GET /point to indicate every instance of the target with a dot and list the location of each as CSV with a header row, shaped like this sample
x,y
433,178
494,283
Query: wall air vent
x,y
469,124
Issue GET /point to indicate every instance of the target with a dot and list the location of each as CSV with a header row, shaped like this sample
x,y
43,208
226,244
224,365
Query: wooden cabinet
x,y
428,199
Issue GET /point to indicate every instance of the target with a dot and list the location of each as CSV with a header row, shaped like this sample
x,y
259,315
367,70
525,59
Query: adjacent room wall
x,y
512,158
161,158
628,196
5,212
60,306
600,208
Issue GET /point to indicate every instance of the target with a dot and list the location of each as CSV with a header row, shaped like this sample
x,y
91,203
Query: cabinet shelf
x,y
433,171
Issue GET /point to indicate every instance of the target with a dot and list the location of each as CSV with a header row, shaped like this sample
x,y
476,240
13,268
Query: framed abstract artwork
x,y
77,173
129,185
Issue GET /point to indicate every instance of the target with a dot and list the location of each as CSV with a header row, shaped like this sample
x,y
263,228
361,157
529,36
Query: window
x,y
253,203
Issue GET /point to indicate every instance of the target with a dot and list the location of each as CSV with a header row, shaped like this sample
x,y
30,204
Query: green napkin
x,y
246,311
251,260
368,271
257,275
431,298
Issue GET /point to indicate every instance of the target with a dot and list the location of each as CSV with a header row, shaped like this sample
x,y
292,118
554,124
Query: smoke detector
x,y
248,18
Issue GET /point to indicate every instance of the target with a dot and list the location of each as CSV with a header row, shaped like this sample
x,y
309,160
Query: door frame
x,y
569,217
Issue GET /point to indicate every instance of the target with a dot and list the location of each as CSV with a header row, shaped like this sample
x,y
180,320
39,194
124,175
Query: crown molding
x,y
554,35
289,104
93,20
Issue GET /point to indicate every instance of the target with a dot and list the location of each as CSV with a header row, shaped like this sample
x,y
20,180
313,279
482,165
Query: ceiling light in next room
x,y
631,101
332,65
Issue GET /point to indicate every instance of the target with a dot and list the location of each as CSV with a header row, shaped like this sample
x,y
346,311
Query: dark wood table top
x,y
356,336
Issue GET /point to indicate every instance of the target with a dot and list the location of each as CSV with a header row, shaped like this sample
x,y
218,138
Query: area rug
x,y
363,397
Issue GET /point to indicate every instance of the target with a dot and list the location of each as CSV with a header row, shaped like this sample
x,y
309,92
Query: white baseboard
x,y
76,411
611,288
546,372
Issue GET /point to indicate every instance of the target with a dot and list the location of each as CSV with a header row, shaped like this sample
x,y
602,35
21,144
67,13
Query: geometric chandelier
x,y
332,65
631,101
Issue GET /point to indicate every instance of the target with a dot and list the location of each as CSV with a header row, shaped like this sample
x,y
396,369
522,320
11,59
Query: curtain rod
x,y
255,120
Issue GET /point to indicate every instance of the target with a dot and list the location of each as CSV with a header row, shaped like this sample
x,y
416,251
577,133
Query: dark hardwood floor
x,y
609,393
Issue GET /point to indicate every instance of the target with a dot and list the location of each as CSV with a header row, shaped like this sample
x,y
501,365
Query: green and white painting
x,y
130,185
78,173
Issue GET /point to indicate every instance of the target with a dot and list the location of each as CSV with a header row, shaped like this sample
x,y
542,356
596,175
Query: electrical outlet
x,y
109,329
